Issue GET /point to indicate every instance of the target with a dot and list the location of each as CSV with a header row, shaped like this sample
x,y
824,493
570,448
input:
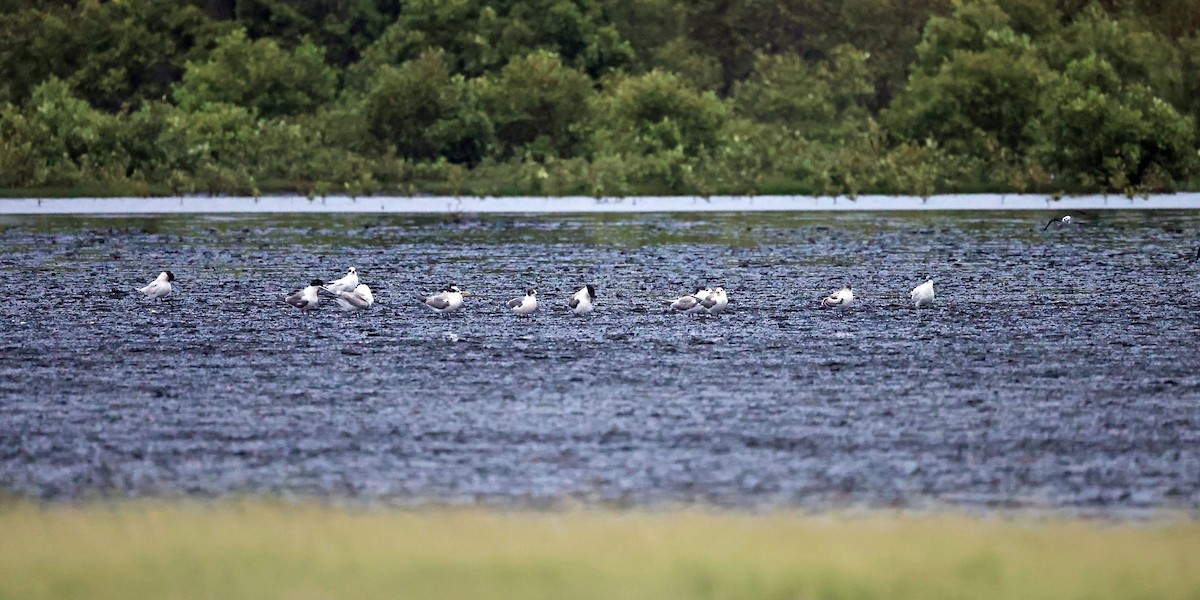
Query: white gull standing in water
x,y
359,299
307,298
839,299
524,305
922,295
159,288
347,283
581,301
448,300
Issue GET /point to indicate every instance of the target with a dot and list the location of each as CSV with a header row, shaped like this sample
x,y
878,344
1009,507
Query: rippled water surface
x,y
1057,369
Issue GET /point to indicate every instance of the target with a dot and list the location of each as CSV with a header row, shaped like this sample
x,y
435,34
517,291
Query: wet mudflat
x,y
1057,369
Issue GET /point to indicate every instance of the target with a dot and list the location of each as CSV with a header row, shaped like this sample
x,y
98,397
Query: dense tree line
x,y
599,96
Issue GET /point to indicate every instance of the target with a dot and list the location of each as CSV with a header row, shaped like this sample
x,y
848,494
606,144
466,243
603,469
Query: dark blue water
x,y
1057,369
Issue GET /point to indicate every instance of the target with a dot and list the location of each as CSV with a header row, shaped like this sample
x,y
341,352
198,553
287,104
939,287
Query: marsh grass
x,y
273,550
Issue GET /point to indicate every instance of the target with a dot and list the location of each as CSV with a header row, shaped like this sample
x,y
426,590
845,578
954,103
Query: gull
x,y
1064,221
159,288
922,295
348,282
359,299
716,301
582,301
524,305
307,298
691,303
841,298
448,300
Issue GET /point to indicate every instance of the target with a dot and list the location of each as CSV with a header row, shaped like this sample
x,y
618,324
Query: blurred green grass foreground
x,y
260,550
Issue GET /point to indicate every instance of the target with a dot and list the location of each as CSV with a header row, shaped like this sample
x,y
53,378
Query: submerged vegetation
x,y
600,97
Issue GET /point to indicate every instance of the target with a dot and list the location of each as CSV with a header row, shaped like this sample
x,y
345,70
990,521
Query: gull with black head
x,y
307,298
582,301
524,305
160,288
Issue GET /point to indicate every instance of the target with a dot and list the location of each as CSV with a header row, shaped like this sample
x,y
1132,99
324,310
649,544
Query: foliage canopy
x,y
600,96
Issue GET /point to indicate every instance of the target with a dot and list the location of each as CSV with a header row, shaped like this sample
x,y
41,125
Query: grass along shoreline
x,y
266,549
486,186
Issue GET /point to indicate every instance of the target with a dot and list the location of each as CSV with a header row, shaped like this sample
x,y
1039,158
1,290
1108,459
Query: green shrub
x,y
655,113
1099,132
260,76
424,113
537,106
823,100
59,139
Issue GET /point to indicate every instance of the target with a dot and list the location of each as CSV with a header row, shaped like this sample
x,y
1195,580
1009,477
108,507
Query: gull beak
x,y
465,293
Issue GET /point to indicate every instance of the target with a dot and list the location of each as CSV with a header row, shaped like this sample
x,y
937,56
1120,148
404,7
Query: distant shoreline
x,y
586,204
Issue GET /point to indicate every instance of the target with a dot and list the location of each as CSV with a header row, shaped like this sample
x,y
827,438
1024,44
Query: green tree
x,y
423,112
480,37
1136,54
1190,53
113,54
34,45
135,51
216,145
976,88
655,112
1103,132
343,27
537,105
59,139
820,99
259,75
887,31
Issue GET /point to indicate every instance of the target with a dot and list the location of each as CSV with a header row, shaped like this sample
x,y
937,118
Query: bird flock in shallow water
x,y
352,295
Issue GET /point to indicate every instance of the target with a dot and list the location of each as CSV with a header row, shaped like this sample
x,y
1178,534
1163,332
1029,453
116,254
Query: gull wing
x,y
356,299
296,299
684,303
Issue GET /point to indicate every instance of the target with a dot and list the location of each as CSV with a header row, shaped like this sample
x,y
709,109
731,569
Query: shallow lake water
x,y
1056,369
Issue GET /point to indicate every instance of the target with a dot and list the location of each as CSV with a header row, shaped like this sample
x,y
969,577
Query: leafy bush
x,y
260,76
823,100
653,113
481,37
600,96
423,112
1135,54
58,140
1103,133
537,106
